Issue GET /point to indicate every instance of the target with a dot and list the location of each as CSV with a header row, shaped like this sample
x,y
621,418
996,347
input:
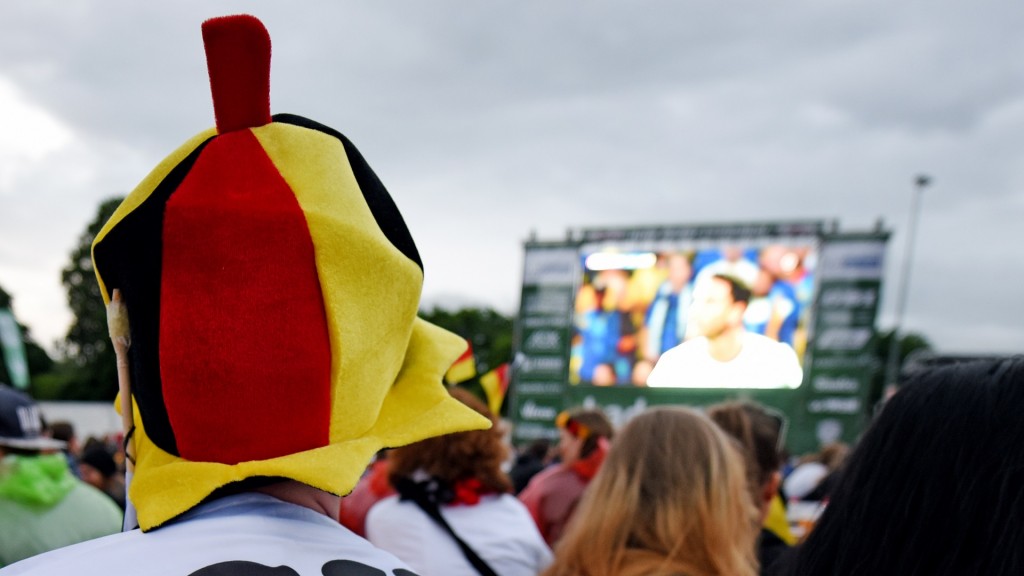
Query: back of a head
x,y
62,430
739,291
935,485
272,288
597,425
833,455
671,497
21,424
757,430
476,454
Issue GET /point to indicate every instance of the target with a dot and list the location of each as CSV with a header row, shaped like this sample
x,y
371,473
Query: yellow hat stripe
x,y
371,290
144,189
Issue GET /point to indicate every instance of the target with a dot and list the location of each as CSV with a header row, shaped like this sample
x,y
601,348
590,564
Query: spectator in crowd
x,y
672,498
452,488
65,432
100,470
272,290
814,477
759,432
936,484
529,462
552,495
42,506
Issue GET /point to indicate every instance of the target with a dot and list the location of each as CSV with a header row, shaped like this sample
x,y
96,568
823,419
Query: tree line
x,y
85,368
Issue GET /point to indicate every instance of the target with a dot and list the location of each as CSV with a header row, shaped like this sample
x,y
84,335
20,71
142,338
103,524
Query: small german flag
x,y
463,369
495,384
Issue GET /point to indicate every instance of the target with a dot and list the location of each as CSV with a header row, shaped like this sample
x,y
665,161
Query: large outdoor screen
x,y
646,291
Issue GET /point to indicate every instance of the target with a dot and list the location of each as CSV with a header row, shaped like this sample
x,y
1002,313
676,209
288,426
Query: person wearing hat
x,y
42,505
552,495
269,342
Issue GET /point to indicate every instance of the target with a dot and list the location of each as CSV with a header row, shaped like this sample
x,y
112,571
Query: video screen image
x,y
634,305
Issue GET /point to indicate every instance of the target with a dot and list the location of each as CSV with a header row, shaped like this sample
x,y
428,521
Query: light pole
x,y
892,367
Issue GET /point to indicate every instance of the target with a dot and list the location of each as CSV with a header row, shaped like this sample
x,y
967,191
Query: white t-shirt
x,y
761,363
499,529
250,534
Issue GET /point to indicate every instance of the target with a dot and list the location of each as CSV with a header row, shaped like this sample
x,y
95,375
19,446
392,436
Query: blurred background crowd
x,y
933,487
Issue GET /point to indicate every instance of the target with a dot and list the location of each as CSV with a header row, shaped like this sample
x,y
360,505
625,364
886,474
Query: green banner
x,y
541,366
843,355
13,349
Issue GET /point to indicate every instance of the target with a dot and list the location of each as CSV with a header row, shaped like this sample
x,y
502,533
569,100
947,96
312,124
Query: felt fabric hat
x,y
272,288
21,422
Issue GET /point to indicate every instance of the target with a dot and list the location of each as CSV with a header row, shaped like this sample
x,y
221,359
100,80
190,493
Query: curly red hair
x,y
453,457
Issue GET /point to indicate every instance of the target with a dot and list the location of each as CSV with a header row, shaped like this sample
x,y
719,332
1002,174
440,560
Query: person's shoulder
x,y
98,556
761,342
673,359
216,539
386,508
506,503
544,482
545,475
101,505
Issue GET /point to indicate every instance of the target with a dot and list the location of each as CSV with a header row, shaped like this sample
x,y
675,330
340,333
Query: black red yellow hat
x,y
272,288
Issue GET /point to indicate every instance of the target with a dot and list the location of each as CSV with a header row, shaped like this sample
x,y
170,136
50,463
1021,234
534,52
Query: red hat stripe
x,y
238,60
244,346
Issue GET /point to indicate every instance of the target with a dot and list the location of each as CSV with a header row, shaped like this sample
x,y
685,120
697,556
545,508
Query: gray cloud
x,y
489,121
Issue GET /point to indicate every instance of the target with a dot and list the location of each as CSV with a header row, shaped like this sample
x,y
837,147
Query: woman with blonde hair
x,y
671,499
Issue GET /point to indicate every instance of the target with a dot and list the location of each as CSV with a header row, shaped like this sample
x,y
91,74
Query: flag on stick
x,y
463,369
495,384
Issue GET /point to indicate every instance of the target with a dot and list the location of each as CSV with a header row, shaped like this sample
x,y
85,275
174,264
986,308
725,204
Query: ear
x,y
771,488
736,312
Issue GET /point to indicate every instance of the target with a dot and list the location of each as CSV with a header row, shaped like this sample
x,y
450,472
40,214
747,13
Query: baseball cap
x,y
21,422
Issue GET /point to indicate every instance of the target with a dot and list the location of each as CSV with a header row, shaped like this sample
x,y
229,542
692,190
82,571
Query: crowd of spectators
x,y
933,487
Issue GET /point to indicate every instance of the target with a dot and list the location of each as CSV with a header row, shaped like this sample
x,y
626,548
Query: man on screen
x,y
725,355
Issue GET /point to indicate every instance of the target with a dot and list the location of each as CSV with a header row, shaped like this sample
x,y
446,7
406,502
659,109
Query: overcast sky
x,y
491,120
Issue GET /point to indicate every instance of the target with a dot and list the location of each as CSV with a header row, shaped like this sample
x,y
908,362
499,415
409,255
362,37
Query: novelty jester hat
x,y
272,289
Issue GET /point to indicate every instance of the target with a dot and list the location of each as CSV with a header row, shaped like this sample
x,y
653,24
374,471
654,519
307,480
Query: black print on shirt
x,y
243,568
350,568
332,568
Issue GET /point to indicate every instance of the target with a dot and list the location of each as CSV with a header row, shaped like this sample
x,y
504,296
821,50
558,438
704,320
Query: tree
x,y
489,332
490,335
909,343
87,345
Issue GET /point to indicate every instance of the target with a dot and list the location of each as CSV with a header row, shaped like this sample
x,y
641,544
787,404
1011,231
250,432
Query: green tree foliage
x,y
87,346
909,343
490,334
488,331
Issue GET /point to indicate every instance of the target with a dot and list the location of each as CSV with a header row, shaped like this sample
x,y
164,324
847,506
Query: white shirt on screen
x,y
761,363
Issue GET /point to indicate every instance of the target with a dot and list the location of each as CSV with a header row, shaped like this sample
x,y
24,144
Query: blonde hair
x,y
671,498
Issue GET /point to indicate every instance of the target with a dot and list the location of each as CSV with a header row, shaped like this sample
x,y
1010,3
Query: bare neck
x,y
726,345
300,494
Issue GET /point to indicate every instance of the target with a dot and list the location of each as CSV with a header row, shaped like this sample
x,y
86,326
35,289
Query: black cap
x,y
21,422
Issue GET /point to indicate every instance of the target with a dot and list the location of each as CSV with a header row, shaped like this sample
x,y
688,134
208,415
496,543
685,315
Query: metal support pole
x,y
893,365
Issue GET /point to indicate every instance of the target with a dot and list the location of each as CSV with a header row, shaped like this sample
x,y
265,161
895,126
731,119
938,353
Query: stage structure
x,y
599,308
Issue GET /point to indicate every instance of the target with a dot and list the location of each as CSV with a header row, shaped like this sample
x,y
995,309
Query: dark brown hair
x,y
757,431
597,423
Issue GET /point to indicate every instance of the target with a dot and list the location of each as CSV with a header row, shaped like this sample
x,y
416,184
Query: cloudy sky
x,y
489,121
